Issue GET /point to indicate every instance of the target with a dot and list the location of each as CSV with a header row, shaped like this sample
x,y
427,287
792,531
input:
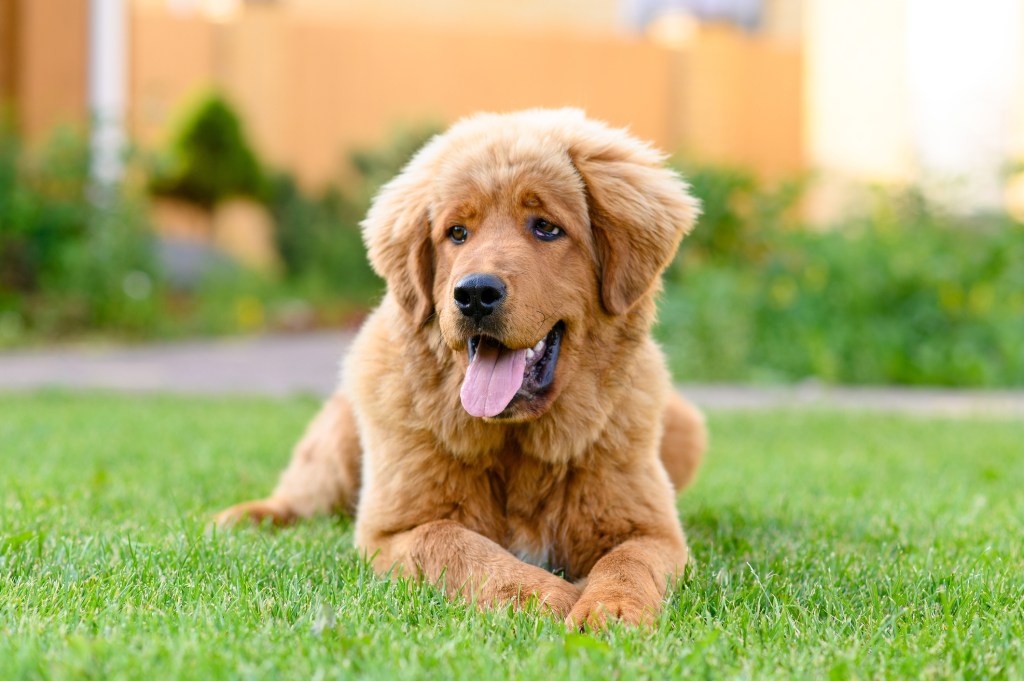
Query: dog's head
x,y
525,233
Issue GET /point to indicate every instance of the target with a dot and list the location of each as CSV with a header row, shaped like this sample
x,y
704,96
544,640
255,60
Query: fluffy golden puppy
x,y
506,427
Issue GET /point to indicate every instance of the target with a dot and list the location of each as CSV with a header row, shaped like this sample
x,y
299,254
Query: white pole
x,y
107,51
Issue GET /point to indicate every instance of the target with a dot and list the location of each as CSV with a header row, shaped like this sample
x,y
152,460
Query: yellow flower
x,y
981,298
249,313
783,292
951,297
816,277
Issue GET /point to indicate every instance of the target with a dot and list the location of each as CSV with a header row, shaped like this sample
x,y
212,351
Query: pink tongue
x,y
494,377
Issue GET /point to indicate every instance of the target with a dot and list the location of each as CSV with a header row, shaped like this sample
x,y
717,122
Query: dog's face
x,y
514,276
524,234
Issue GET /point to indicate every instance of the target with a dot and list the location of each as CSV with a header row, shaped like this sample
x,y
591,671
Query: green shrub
x,y
72,265
69,262
210,158
42,208
320,243
376,165
318,237
738,212
904,295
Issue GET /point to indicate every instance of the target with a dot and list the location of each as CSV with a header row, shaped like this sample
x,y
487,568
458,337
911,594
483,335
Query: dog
x,y
506,427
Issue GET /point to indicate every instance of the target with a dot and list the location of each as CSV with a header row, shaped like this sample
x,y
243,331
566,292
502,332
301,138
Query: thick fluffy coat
x,y
522,254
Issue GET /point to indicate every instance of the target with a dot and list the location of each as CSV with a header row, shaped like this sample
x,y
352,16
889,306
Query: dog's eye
x,y
458,234
546,231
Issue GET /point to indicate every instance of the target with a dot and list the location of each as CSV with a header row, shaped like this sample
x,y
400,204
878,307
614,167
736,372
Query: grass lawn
x,y
827,545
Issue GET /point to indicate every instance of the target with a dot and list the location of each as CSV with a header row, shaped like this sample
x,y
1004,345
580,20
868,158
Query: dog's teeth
x,y
530,353
539,347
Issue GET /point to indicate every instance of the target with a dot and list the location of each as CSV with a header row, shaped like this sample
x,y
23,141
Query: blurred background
x,y
173,168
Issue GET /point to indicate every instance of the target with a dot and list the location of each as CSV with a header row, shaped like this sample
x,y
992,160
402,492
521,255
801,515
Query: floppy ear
x,y
397,236
639,211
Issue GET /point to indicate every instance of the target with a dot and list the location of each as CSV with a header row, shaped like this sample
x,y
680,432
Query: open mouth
x,y
497,374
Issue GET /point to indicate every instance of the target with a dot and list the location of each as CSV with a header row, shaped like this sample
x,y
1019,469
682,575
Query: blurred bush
x,y
376,165
318,236
76,261
320,244
72,257
209,158
904,294
738,212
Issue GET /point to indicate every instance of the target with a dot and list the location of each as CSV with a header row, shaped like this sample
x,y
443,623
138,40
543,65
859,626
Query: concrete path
x,y
281,365
277,365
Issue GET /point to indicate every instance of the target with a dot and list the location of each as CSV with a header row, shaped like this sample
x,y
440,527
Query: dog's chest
x,y
532,499
531,541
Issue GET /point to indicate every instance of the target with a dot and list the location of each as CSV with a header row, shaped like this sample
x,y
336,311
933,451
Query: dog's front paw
x,y
549,592
559,597
274,511
596,607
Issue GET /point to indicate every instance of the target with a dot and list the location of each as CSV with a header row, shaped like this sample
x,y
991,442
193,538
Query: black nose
x,y
478,295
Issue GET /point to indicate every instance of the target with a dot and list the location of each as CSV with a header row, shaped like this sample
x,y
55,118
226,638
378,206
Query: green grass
x,y
828,545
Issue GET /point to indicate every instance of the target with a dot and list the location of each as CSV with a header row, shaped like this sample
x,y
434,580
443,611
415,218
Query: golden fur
x,y
579,479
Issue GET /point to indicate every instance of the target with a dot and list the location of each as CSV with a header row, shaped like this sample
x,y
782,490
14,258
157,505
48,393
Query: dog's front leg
x,y
629,582
643,545
470,566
